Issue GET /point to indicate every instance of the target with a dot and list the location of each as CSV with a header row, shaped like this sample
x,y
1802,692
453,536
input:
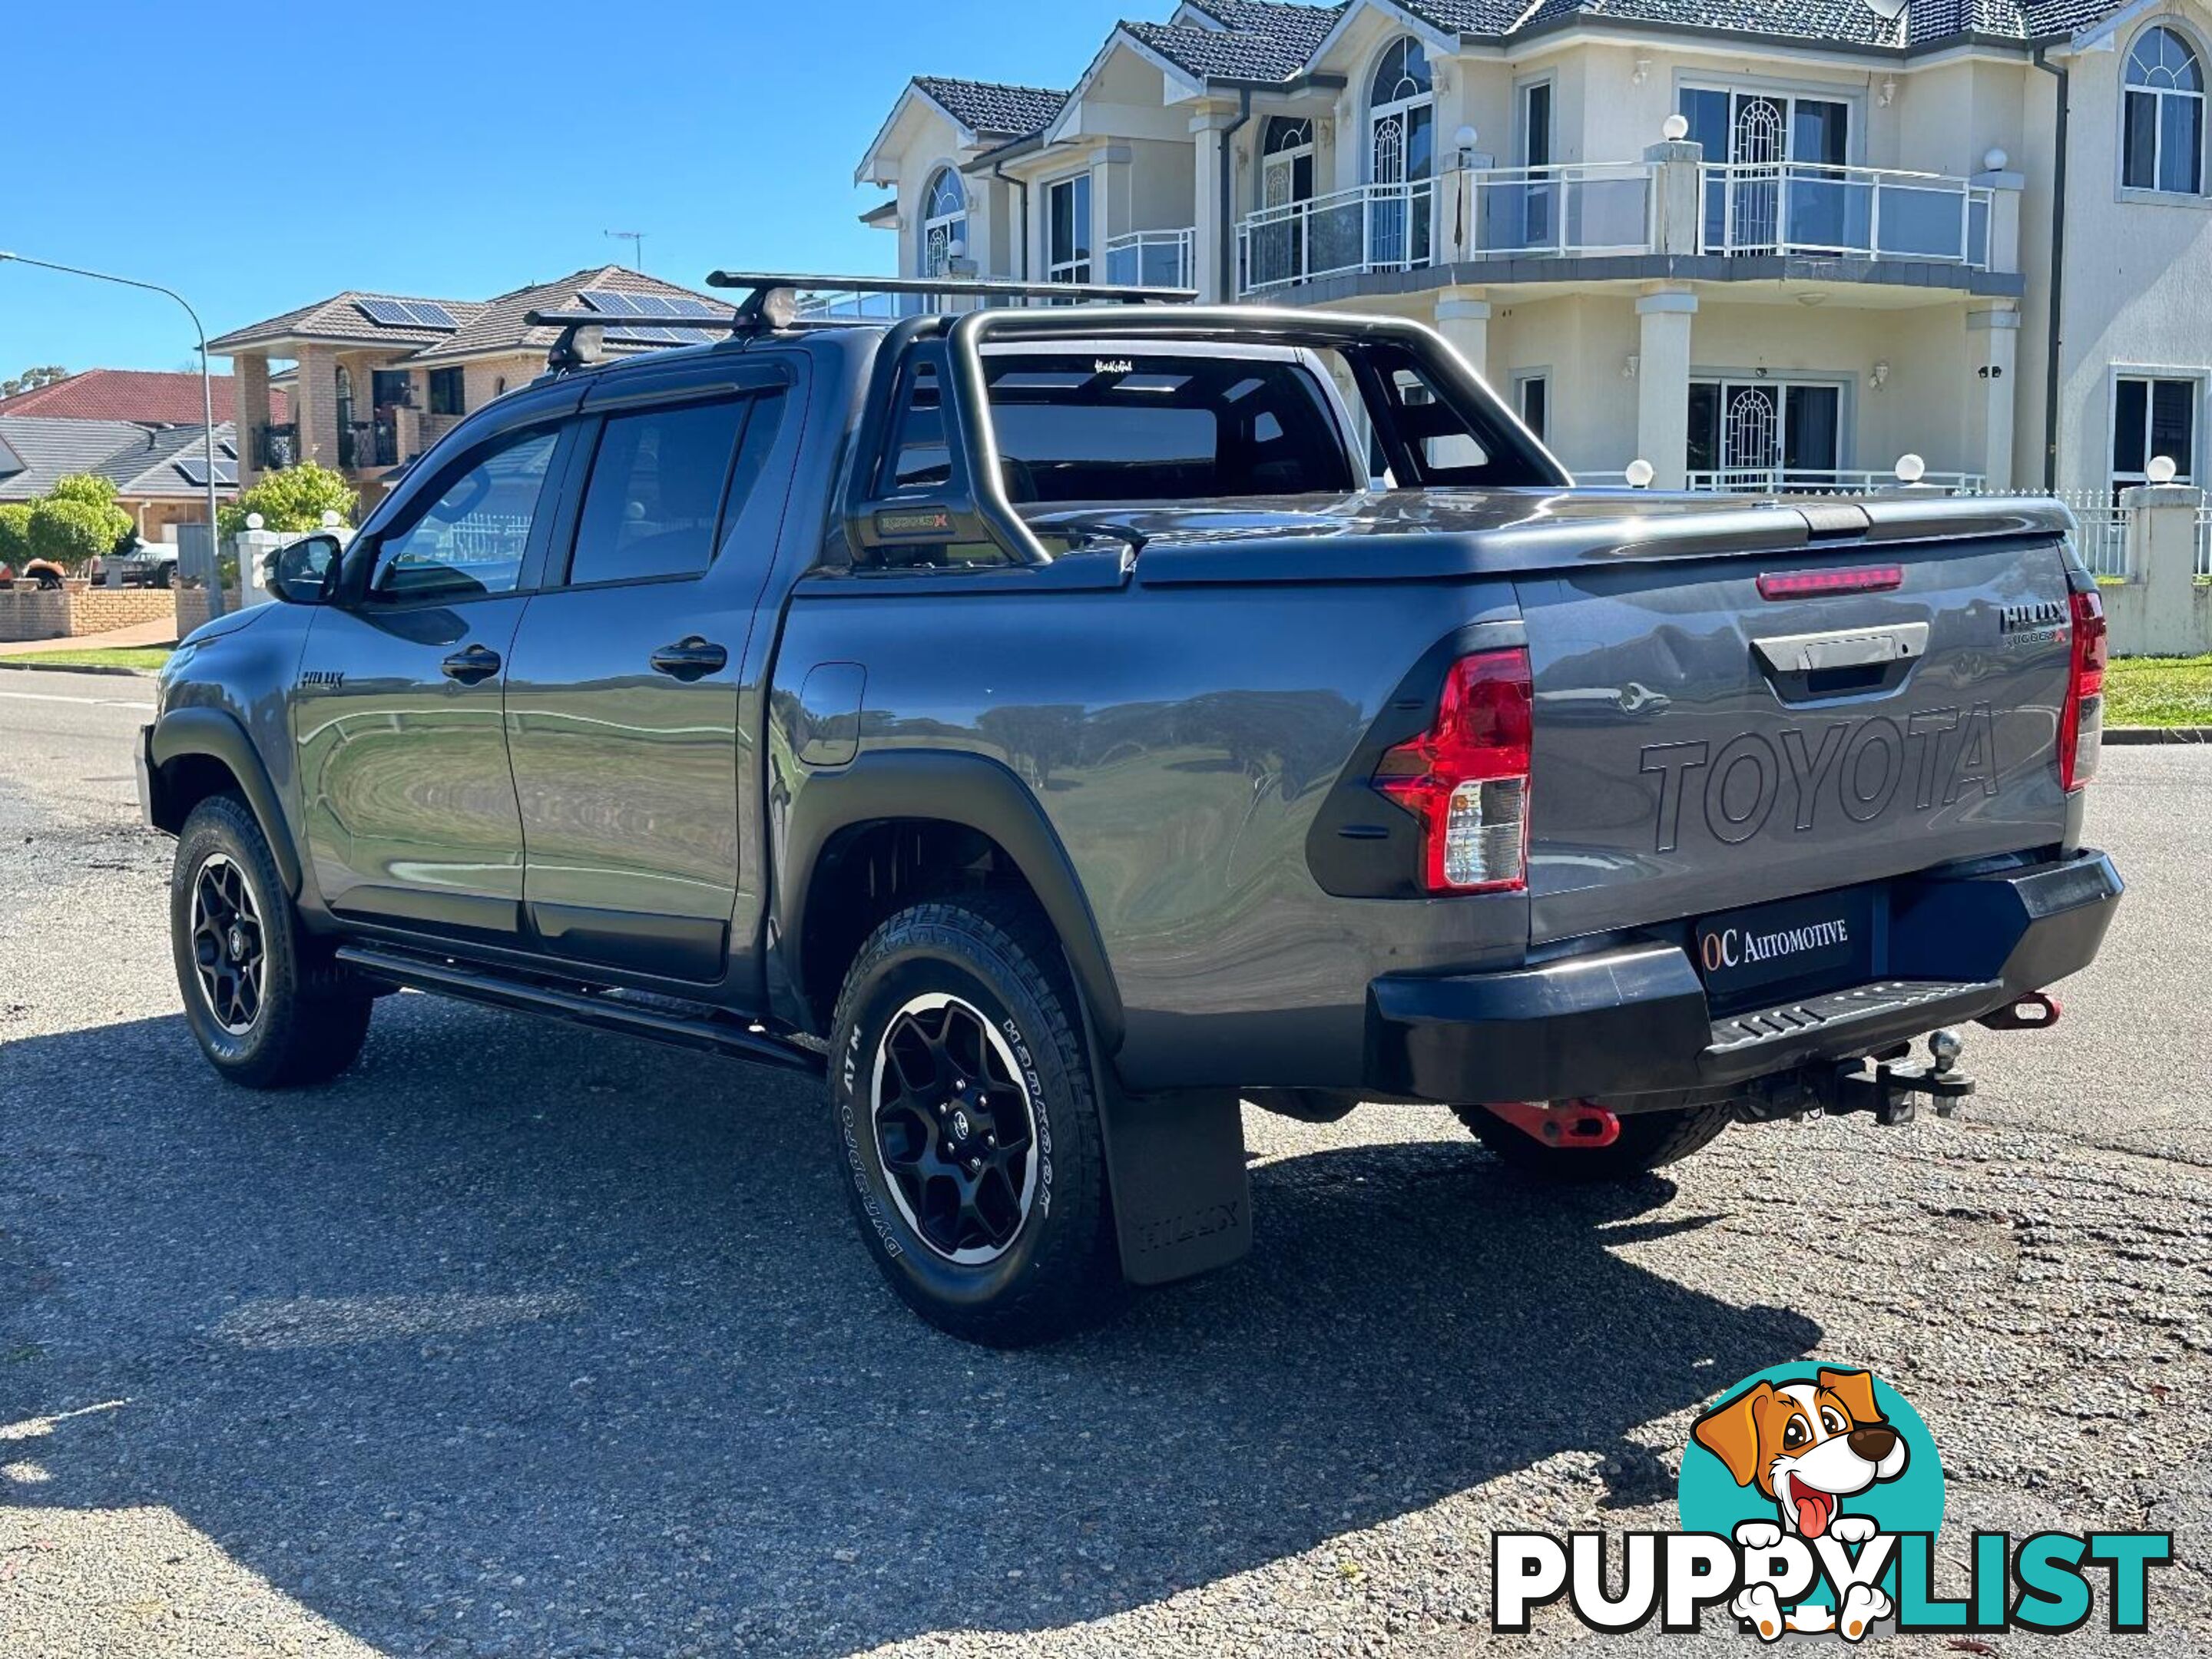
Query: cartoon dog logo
x,y
1808,1446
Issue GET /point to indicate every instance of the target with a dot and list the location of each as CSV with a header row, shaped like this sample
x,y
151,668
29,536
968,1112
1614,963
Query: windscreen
x,y
1142,427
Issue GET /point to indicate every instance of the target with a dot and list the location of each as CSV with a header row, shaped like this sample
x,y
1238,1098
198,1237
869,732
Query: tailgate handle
x,y
1847,648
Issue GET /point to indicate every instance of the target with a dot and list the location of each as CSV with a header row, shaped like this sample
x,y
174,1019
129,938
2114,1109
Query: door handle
x,y
478,662
1847,648
691,659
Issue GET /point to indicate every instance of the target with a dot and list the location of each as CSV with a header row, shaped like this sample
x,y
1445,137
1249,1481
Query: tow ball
x,y
1890,1089
1564,1124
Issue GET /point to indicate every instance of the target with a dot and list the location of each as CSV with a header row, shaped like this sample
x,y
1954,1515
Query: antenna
x,y
636,240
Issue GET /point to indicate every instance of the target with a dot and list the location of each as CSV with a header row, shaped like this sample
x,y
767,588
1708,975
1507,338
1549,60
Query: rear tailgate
x,y
1700,746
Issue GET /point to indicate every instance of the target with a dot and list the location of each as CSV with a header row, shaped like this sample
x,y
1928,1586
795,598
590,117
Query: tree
x,y
293,500
15,534
32,379
89,488
71,534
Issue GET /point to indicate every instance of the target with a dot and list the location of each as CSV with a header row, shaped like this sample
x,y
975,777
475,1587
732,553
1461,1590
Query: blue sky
x,y
725,135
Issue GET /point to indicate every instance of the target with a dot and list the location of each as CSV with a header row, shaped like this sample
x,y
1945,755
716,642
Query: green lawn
x,y
149,657
2159,691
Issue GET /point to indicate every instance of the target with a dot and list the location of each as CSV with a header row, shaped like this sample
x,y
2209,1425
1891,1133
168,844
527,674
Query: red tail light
x,y
2082,722
1466,777
1823,584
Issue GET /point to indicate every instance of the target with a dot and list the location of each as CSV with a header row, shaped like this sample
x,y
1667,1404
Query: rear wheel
x,y
266,1006
966,1122
1649,1141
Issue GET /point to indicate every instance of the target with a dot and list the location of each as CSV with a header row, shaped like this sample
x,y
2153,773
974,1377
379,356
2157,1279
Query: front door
x,y
635,786
1765,434
1276,249
410,805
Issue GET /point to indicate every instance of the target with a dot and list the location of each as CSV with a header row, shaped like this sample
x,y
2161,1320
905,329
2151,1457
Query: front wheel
x,y
967,1125
1649,1141
267,1010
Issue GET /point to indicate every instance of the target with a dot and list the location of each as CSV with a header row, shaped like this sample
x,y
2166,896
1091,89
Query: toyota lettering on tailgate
x,y
1858,768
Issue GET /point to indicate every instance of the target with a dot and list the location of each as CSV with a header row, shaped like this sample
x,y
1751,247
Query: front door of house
x,y
1784,187
1758,434
1278,251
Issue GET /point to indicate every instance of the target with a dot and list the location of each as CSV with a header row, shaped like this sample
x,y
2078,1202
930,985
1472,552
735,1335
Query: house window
x,y
1401,138
1783,184
2162,130
1535,401
447,393
1536,126
945,224
2150,418
1067,220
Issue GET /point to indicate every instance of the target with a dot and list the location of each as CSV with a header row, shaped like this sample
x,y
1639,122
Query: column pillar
x,y
1463,318
2005,188
1678,197
1213,272
315,405
1992,398
2158,612
1662,385
249,410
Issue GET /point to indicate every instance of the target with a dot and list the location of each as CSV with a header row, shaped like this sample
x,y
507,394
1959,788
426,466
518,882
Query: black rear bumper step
x,y
657,1021
1635,1019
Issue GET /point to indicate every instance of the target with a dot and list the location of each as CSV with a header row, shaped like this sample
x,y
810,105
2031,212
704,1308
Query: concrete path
x,y
153,633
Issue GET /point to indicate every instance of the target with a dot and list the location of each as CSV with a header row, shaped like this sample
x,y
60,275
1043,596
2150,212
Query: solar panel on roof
x,y
610,301
431,314
387,313
687,306
652,305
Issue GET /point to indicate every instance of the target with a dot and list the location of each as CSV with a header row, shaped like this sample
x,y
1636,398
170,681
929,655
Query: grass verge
x,y
148,656
2159,691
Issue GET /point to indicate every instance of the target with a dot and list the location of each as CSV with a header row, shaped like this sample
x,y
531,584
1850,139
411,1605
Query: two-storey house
x,y
1752,242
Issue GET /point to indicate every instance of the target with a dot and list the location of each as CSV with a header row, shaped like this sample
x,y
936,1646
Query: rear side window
x,y
1147,428
659,484
468,541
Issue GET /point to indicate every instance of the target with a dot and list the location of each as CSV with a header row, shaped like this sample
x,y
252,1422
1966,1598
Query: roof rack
x,y
772,297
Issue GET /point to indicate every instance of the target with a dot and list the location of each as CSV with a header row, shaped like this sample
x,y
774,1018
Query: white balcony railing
x,y
1797,208
1370,227
1825,480
1153,258
1576,210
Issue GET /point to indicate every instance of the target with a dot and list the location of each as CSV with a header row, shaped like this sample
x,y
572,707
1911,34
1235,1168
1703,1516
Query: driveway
x,y
522,1340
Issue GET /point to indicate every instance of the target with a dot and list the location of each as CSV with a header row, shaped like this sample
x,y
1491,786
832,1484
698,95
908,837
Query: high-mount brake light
x,y
1466,777
1823,584
2081,721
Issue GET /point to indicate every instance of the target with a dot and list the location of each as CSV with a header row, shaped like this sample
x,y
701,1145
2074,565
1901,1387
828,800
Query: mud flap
x,y
1183,1204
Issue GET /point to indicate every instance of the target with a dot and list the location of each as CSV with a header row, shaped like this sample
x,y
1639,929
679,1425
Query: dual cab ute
x,y
1052,725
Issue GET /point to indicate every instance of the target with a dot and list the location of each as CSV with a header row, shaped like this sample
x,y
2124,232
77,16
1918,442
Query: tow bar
x,y
1891,1090
1571,1123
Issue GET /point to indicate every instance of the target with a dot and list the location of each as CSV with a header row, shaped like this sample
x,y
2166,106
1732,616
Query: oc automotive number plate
x,y
1808,943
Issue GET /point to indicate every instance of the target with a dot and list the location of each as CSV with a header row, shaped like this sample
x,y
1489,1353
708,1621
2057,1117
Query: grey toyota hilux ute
x,y
1055,726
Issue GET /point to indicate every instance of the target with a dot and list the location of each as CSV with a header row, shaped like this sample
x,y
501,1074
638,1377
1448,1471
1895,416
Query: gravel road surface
x,y
519,1340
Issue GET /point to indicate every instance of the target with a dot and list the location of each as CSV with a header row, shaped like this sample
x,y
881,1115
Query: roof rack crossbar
x,y
762,283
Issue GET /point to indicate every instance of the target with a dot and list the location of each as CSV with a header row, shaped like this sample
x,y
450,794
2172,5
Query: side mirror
x,y
306,571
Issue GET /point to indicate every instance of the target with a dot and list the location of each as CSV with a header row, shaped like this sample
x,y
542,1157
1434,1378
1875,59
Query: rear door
x,y
623,703
1701,746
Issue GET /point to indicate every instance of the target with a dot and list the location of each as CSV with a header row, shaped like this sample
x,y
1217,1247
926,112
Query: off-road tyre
x,y
307,1017
991,958
1649,1141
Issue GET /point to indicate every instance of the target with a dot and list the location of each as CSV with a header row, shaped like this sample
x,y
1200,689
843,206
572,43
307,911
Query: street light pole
x,y
207,373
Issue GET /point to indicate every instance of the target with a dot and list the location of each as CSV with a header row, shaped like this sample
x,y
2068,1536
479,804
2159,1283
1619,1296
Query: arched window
x,y
2162,134
1287,162
1401,142
944,223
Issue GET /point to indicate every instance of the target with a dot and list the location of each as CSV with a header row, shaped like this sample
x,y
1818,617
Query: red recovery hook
x,y
2037,1010
1562,1123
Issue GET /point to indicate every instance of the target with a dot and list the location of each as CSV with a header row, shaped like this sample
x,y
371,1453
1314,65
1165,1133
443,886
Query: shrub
x,y
15,534
87,487
72,533
293,500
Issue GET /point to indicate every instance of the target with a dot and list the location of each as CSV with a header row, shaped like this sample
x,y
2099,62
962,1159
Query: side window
x,y
468,542
658,486
1450,452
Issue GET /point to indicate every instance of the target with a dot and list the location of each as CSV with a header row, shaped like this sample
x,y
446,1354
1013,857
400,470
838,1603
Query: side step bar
x,y
656,1023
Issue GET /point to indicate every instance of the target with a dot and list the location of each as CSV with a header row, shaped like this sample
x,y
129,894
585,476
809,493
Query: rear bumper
x,y
1634,1020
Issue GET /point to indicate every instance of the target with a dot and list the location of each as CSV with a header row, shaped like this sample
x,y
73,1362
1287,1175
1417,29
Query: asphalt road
x,y
519,1340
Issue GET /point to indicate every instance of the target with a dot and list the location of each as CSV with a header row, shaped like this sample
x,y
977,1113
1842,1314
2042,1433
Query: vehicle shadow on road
x,y
518,1338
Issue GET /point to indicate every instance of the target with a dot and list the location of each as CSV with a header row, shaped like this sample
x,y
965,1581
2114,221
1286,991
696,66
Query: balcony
x,y
1352,233
1825,480
1793,209
1153,258
275,447
368,444
1576,212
